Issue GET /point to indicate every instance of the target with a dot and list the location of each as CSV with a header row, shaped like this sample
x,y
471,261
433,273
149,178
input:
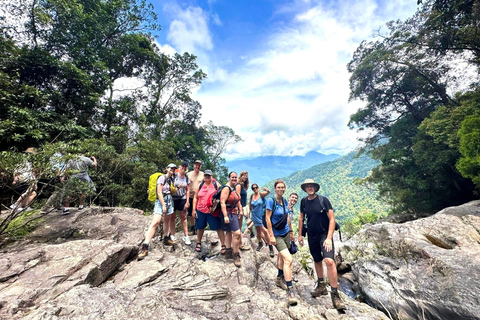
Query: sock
x,y
259,242
146,243
270,247
289,284
280,273
334,289
320,279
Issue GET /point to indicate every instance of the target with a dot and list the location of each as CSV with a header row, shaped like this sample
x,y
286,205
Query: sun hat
x,y
172,165
310,181
208,172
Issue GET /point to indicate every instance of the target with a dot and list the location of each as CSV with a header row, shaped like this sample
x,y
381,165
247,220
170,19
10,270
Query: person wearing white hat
x,y
320,225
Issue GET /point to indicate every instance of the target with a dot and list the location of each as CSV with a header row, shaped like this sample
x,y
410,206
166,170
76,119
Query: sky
x,y
276,69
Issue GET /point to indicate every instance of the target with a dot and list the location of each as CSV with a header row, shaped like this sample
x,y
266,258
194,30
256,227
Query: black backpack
x,y
324,209
279,225
214,201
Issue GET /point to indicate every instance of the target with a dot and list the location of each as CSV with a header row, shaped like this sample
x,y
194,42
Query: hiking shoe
x,y
252,235
81,208
143,252
280,282
187,241
272,254
337,301
228,253
66,211
244,247
291,300
236,260
260,246
320,289
167,241
173,238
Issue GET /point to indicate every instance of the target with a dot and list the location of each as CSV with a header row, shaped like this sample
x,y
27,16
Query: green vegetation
x,y
425,138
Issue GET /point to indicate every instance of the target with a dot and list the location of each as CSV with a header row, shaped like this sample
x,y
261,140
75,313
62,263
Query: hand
x,y
187,205
226,220
164,209
292,236
273,241
300,240
327,244
194,214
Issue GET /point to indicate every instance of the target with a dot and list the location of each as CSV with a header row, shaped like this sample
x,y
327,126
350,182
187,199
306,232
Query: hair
x,y
293,194
253,185
279,181
230,173
247,183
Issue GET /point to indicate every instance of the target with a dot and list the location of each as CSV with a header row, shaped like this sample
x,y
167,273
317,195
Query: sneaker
x,y
280,282
236,260
168,241
14,206
229,253
272,254
66,211
320,289
173,238
143,252
187,241
291,300
260,246
337,301
81,208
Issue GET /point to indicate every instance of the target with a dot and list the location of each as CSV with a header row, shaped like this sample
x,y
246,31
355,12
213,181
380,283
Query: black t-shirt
x,y
316,215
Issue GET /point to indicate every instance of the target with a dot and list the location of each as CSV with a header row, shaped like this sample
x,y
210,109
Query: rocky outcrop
x,y
83,266
423,269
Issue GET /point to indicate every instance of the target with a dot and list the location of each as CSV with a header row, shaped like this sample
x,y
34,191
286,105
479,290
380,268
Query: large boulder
x,y
423,269
83,266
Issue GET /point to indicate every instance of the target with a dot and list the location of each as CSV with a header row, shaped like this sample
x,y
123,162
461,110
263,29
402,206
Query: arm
x,y
160,197
331,228
94,161
268,219
250,203
264,193
187,204
223,199
194,205
300,228
292,235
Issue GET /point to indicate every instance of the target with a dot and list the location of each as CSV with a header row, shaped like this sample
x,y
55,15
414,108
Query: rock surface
x,y
83,266
423,269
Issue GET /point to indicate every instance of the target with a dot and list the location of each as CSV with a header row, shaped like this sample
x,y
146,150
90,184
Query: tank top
x,y
232,201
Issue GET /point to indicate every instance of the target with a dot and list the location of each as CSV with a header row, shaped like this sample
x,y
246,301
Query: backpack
x,y
324,209
213,201
152,186
279,225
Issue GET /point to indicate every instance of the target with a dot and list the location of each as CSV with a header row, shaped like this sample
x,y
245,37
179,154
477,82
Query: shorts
x,y
233,225
246,212
190,207
283,242
317,250
179,204
214,223
168,203
22,187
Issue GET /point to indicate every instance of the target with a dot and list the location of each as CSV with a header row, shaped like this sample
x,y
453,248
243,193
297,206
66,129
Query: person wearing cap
x,y
163,206
181,202
320,225
196,177
201,211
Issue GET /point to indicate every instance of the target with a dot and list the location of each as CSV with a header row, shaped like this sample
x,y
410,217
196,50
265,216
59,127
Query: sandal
x,y
224,249
198,248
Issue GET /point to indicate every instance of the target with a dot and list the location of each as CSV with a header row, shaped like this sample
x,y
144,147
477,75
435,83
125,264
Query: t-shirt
x,y
317,219
181,184
195,179
277,215
166,186
203,195
80,164
25,172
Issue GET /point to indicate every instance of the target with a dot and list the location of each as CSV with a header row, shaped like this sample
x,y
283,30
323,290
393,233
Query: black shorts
x,y
317,250
22,187
189,210
179,204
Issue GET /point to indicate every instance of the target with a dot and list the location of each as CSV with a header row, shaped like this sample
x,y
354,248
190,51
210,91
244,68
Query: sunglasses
x,y
254,188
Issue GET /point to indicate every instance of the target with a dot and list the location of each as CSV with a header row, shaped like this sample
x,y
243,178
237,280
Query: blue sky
x,y
276,69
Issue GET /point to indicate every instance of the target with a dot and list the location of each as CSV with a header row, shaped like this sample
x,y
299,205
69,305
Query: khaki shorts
x,y
283,242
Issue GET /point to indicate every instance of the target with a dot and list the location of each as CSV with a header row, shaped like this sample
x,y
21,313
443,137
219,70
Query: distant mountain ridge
x,y
266,168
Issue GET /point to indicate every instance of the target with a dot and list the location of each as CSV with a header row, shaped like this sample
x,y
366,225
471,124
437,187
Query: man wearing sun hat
x,y
320,223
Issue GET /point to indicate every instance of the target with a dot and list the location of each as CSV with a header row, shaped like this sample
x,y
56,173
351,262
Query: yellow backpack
x,y
152,186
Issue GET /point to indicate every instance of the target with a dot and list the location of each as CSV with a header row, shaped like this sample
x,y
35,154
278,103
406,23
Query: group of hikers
x,y
193,195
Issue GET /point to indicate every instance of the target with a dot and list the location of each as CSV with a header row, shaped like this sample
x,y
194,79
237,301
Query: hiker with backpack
x,y
181,201
257,209
163,207
231,208
201,211
281,236
241,188
196,177
320,225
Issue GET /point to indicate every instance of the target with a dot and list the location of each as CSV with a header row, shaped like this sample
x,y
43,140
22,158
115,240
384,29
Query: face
x,y
207,177
280,189
171,170
255,188
244,177
233,178
197,166
293,199
310,189
183,169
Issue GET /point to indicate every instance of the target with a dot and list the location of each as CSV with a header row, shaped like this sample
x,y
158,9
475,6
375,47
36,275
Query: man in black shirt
x,y
320,224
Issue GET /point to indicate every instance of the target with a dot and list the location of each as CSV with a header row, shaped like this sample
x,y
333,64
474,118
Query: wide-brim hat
x,y
310,181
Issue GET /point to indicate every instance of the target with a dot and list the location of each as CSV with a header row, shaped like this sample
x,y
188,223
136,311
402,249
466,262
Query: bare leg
x,y
285,263
199,235
259,234
221,236
166,224
153,226
82,199
173,218
183,221
319,269
332,272
228,239
237,236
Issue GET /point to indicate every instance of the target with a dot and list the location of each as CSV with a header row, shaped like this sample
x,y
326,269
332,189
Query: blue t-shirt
x,y
277,215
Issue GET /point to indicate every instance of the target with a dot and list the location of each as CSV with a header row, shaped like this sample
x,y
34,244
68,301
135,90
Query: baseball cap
x,y
198,161
172,165
208,172
184,163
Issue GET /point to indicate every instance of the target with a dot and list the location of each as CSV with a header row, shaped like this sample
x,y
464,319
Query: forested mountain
x,y
263,169
337,182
